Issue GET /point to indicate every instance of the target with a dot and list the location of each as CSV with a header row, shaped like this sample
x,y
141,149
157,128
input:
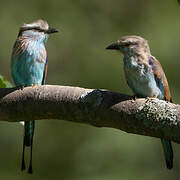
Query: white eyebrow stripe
x,y
31,25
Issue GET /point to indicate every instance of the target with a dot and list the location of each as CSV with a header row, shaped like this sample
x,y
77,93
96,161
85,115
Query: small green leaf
x,y
4,83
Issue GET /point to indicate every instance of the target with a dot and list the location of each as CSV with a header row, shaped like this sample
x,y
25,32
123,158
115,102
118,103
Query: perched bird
x,y
145,76
29,67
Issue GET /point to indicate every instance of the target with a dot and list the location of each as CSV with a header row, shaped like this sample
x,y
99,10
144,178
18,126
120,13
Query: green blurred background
x,y
77,57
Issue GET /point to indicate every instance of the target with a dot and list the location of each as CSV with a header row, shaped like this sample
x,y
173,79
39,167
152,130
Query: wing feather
x,y
160,78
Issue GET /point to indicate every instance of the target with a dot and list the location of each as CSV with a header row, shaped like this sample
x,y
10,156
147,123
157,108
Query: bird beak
x,y
51,30
113,46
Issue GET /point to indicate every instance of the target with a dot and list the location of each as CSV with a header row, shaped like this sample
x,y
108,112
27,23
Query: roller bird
x,y
145,76
29,67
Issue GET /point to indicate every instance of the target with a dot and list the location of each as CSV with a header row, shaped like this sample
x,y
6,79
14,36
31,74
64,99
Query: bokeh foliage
x,y
4,83
77,57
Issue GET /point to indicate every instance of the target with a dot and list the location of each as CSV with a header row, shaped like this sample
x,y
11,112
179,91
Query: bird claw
x,y
20,87
34,85
134,97
148,98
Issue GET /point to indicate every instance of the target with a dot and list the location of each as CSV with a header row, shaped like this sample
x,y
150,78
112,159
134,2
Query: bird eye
x,y
127,44
38,29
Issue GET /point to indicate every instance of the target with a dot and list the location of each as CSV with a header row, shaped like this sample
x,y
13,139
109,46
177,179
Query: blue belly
x,y
26,71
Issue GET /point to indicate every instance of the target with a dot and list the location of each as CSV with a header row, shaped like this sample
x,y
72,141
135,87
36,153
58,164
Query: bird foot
x,y
20,87
148,98
134,97
34,85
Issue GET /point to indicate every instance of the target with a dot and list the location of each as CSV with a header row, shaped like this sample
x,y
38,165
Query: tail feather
x,y
28,132
28,142
30,171
23,167
168,153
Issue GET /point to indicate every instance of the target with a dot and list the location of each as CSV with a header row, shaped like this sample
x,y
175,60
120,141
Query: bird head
x,y
130,45
36,30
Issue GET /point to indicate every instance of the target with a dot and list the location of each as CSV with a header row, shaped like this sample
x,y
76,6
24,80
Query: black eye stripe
x,y
38,29
129,43
32,28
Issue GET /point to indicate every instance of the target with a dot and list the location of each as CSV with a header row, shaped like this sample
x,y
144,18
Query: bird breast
x,y
140,78
33,48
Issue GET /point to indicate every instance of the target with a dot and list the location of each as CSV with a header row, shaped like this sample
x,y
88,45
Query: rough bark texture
x,y
101,108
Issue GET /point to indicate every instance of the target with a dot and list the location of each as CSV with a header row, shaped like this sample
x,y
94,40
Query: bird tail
x,y
28,142
168,153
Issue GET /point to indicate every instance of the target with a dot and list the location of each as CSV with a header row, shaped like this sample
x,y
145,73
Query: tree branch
x,y
100,108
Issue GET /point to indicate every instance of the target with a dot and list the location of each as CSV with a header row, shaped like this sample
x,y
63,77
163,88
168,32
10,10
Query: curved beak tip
x,y
108,47
52,30
113,46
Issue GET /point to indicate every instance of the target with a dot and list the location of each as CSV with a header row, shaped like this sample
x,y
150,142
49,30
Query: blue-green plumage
x,y
28,132
29,67
27,72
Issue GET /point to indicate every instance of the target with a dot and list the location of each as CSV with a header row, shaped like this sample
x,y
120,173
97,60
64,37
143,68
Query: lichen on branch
x,y
100,108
